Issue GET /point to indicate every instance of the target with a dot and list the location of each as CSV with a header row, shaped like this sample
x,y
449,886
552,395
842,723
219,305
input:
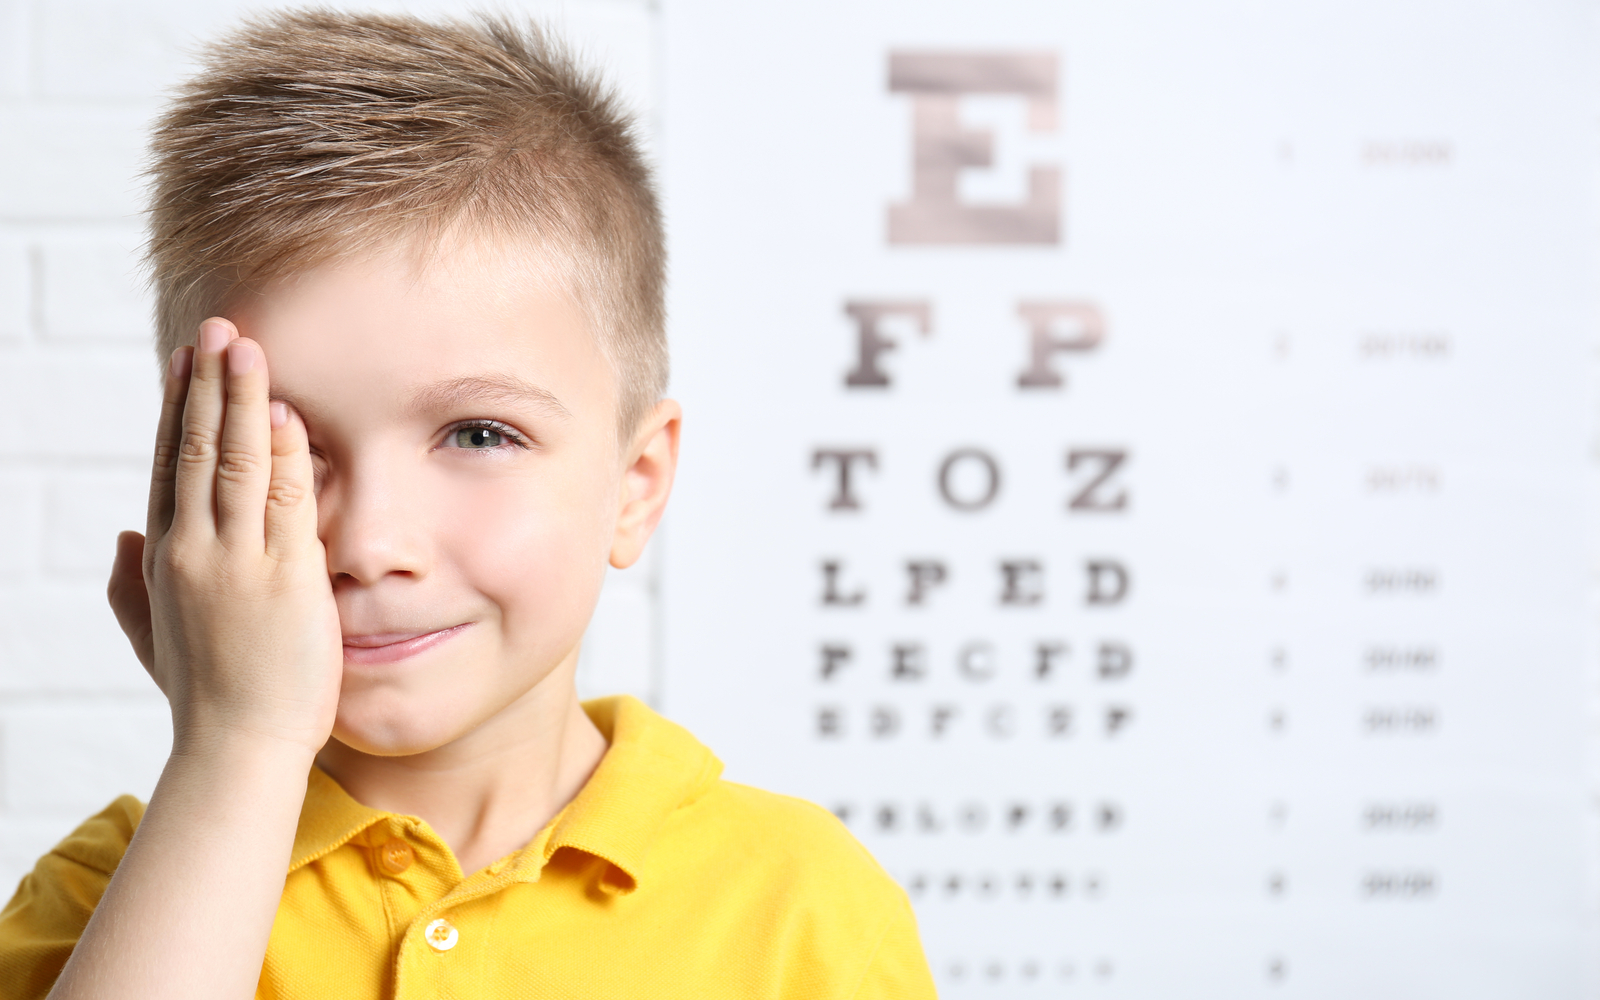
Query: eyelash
x,y
504,430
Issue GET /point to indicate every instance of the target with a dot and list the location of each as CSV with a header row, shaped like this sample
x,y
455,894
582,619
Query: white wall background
x,y
80,722
79,80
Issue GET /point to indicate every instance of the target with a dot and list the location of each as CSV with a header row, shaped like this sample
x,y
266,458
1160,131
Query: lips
x,y
391,647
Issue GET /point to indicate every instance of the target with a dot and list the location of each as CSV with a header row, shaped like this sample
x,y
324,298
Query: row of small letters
x,y
1027,970
1020,886
977,661
974,817
970,479
1021,581
999,721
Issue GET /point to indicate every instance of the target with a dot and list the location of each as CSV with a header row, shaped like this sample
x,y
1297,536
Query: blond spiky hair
x,y
311,136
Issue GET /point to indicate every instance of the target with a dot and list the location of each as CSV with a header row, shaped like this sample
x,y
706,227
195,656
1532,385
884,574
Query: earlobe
x,y
646,482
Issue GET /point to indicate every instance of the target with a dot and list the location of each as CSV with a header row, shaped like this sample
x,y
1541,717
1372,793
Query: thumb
x,y
130,602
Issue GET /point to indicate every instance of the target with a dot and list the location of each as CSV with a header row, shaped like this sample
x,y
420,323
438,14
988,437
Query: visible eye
x,y
478,437
482,435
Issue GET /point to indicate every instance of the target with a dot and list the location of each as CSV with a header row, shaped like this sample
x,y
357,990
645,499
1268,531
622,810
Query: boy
x,y
372,561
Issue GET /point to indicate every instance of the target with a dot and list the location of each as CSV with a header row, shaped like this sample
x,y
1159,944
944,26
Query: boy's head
x,y
313,137
445,242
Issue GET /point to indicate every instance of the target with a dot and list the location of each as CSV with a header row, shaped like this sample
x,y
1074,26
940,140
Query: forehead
x,y
399,329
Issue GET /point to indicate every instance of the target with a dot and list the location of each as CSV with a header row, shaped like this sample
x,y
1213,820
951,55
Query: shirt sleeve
x,y
52,905
899,969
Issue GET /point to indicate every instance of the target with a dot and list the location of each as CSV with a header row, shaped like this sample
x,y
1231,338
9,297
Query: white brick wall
x,y
79,79
16,272
90,289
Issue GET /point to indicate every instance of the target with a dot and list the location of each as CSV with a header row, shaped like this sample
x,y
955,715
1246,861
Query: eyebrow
x,y
468,389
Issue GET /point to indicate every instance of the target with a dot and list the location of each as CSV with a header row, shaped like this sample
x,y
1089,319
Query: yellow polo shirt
x,y
659,880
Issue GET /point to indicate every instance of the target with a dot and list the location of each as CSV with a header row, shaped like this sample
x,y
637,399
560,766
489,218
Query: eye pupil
x,y
477,437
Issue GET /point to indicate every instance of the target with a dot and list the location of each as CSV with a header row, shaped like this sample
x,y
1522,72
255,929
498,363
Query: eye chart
x,y
1134,475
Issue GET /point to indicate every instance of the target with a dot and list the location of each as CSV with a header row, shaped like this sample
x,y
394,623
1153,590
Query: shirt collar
x,y
652,768
328,819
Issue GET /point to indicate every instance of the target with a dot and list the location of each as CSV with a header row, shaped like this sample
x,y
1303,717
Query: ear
x,y
652,462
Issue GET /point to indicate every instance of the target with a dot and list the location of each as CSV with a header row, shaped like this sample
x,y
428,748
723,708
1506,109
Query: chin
x,y
391,730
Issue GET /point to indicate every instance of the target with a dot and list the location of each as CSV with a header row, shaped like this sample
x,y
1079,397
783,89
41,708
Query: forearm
x,y
190,908
230,607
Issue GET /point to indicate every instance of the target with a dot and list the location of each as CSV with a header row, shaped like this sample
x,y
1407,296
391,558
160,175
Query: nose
x,y
371,526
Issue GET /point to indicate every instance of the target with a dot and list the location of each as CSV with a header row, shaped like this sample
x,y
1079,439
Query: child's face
x,y
462,423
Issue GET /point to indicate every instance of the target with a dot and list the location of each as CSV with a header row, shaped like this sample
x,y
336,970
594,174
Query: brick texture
x,y
91,288
16,293
14,55
80,722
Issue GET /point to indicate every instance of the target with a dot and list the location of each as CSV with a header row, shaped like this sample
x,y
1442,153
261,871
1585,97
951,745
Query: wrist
x,y
233,726
228,746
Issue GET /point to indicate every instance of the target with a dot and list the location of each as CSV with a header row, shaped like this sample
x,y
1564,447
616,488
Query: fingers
x,y
291,508
169,433
194,487
130,601
244,452
229,461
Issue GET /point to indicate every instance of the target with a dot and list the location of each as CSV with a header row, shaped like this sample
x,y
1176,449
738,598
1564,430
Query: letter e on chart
x,y
942,147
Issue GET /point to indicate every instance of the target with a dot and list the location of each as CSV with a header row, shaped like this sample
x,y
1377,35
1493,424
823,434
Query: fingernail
x,y
280,413
241,357
182,360
214,335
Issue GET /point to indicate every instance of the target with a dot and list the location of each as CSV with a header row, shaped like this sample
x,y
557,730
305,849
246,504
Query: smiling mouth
x,y
390,647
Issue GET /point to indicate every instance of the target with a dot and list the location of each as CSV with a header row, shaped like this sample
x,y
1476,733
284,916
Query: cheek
x,y
537,553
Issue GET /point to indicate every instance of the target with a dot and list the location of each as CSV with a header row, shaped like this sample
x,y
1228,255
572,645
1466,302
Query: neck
x,y
491,791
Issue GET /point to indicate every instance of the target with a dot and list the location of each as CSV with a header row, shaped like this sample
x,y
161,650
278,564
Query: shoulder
x,y
101,840
796,840
81,864
792,821
791,874
53,903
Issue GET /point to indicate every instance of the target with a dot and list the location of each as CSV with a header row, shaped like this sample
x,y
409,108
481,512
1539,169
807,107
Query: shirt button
x,y
441,935
396,856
